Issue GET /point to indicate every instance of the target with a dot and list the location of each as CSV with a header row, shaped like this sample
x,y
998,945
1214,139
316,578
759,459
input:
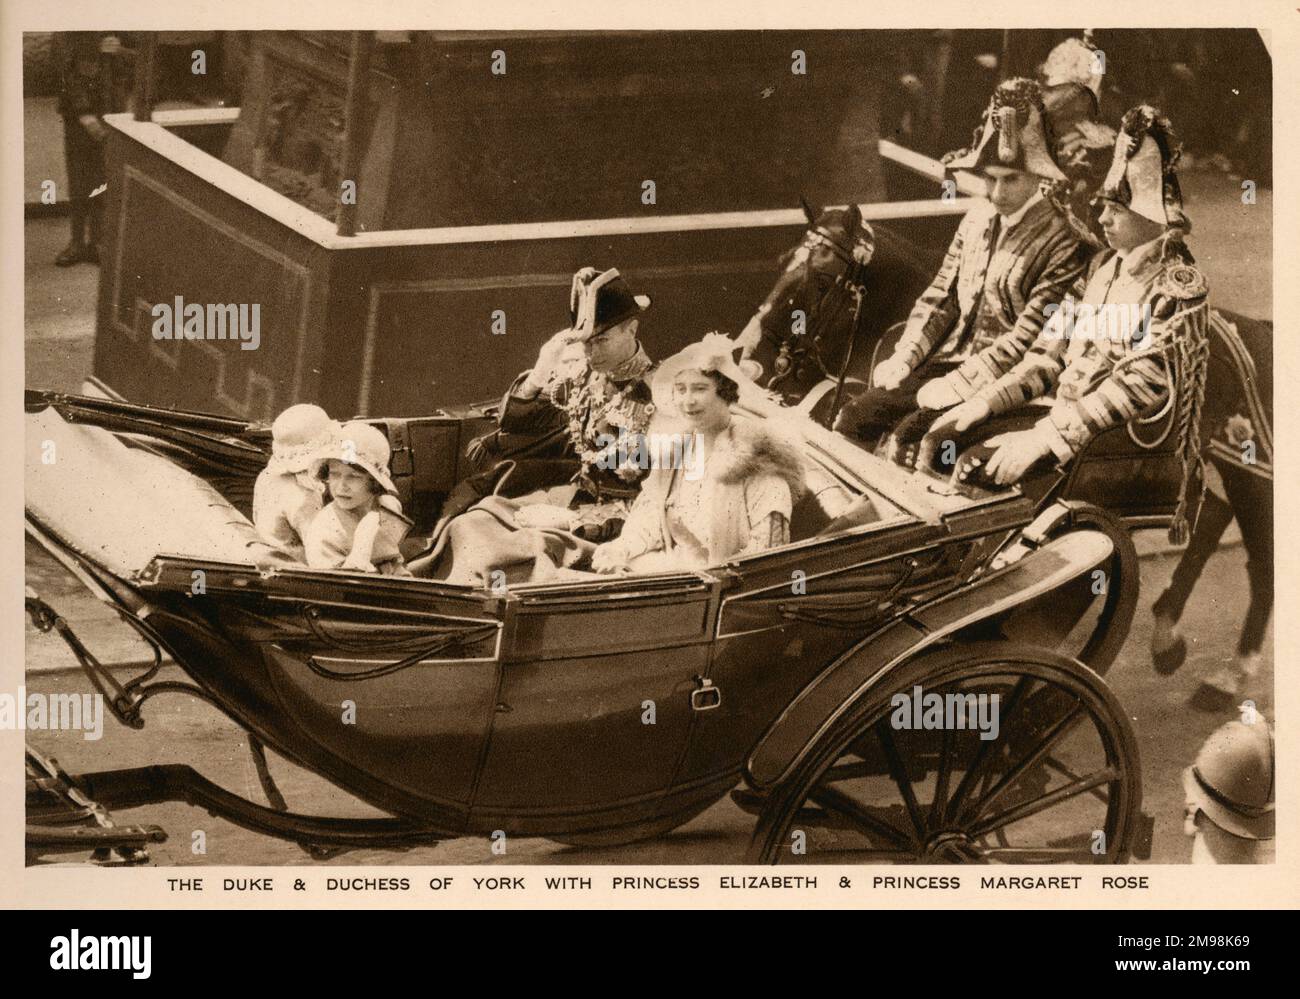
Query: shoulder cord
x,y
1184,350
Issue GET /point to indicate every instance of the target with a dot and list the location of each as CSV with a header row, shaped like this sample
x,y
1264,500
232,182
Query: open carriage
x,y
609,711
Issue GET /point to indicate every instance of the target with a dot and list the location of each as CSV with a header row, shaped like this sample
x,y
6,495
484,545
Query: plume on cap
x,y
1143,176
1012,134
1074,60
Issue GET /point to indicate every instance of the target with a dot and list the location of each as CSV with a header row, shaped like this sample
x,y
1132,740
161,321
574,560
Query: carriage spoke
x,y
1052,763
941,778
1053,735
983,754
839,802
1045,801
899,773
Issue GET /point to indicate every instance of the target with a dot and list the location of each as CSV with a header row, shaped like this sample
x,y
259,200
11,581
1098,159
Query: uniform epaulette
x,y
1182,281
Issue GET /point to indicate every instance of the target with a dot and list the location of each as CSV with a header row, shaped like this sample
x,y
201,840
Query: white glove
x,y
890,373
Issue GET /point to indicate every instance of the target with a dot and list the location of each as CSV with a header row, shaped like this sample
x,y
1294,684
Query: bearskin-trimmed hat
x,y
1012,134
1142,174
598,301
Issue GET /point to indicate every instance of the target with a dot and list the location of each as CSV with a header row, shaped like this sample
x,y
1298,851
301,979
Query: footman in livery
x,y
1009,261
1105,374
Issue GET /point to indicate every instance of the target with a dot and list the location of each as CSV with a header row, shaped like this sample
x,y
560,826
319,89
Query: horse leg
x,y
1251,501
1251,497
1168,648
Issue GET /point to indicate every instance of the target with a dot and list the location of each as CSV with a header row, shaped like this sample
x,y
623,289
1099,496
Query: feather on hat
x,y
1013,134
1142,175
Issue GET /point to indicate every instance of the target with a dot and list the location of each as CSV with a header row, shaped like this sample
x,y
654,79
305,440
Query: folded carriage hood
x,y
120,506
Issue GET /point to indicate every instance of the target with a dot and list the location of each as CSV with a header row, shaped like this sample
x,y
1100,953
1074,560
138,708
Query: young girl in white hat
x,y
286,495
362,525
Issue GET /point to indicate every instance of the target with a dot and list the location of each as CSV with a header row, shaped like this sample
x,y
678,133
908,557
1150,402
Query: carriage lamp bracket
x,y
705,697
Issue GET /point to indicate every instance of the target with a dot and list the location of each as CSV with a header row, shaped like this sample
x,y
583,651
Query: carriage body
x,y
594,711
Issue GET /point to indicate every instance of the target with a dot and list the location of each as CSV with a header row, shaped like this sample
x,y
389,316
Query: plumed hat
x,y
1142,174
712,353
1012,134
1074,60
598,301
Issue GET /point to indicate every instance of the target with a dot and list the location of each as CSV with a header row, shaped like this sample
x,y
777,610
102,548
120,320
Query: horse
x,y
838,290
1237,433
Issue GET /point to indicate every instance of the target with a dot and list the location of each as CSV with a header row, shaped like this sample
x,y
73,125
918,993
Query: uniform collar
x,y
630,370
1009,221
1143,257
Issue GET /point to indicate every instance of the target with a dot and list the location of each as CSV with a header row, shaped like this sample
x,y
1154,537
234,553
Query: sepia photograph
x,y
619,449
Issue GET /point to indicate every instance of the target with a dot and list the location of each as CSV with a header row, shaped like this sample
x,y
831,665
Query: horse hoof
x,y
1168,659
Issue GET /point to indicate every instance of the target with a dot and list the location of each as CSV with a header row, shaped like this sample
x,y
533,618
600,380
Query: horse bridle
x,y
850,280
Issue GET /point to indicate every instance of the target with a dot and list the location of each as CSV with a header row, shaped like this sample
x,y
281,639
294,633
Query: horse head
x,y
802,329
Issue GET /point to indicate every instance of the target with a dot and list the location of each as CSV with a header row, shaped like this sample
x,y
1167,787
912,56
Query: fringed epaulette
x,y
1183,281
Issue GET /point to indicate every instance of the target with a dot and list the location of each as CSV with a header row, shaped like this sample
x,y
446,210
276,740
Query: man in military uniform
x,y
595,419
1106,369
1008,262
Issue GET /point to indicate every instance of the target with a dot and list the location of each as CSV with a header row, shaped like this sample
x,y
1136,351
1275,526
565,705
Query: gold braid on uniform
x,y
1184,348
1191,355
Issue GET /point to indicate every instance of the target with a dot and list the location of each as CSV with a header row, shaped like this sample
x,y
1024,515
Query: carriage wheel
x,y
1059,783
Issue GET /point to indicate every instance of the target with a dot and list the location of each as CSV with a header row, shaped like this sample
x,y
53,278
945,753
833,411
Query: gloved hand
x,y
1015,453
548,359
890,373
937,394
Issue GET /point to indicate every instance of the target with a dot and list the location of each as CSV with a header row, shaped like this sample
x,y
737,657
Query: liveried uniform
x,y
990,294
1107,365
983,292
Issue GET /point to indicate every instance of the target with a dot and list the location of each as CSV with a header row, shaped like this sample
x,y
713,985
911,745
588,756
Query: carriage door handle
x,y
705,697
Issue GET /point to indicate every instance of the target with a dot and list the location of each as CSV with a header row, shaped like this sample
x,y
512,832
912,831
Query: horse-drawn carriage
x,y
613,710
915,676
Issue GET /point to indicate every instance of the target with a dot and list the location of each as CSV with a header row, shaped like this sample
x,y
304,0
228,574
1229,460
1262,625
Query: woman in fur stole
x,y
722,485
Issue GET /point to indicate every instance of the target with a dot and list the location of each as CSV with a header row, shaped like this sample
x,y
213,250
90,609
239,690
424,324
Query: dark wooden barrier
x,y
400,322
